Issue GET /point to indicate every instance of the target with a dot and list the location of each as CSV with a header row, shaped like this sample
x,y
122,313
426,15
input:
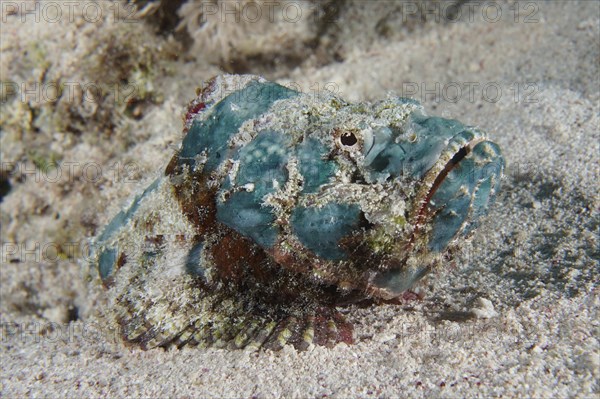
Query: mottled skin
x,y
281,206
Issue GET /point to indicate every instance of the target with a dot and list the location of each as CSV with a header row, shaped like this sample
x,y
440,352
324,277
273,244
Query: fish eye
x,y
348,139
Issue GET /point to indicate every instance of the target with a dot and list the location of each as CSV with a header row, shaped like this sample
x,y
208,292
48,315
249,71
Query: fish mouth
x,y
426,206
454,194
460,194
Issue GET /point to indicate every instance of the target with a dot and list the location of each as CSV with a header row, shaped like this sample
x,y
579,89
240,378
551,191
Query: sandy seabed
x,y
518,317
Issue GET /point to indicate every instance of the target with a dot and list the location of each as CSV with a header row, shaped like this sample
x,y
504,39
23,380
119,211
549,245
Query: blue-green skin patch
x,y
321,229
108,256
314,168
193,262
389,158
211,135
280,206
262,163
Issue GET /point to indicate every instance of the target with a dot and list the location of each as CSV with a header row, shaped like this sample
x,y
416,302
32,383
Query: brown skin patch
x,y
345,331
172,166
122,260
234,256
320,330
196,198
291,260
241,262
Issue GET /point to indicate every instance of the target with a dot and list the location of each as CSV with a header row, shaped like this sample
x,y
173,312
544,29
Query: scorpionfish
x,y
280,207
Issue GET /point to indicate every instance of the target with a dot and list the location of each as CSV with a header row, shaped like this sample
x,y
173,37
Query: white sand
x,y
517,317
